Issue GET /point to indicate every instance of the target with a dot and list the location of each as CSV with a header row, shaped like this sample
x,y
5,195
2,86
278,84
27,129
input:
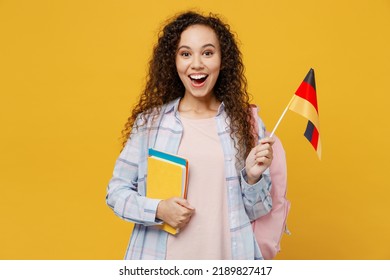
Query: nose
x,y
197,62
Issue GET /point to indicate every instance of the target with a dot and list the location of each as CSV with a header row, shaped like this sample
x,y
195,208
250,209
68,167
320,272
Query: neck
x,y
198,108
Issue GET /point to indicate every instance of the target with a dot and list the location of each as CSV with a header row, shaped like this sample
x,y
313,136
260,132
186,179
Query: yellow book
x,y
167,177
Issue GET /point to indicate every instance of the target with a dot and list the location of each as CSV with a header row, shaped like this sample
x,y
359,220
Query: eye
x,y
185,54
208,53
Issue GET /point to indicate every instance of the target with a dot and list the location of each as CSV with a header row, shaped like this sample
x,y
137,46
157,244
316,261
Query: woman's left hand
x,y
259,159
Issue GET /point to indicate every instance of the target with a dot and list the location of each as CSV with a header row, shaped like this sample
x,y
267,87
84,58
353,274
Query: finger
x,y
263,160
263,147
269,140
183,222
264,153
183,202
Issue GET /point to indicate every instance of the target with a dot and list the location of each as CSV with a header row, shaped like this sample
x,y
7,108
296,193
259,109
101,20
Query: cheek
x,y
215,66
181,72
178,65
215,71
181,67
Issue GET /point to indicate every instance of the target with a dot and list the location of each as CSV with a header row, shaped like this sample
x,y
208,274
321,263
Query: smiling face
x,y
198,61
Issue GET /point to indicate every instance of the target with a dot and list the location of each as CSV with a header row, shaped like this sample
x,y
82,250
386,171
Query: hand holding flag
x,y
304,102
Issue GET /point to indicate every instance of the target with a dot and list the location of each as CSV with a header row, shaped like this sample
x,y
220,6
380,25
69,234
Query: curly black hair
x,y
163,83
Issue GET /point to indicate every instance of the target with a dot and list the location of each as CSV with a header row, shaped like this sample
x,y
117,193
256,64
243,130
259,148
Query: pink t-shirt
x,y
207,235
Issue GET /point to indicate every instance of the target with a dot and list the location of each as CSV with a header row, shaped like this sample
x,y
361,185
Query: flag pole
x,y
281,117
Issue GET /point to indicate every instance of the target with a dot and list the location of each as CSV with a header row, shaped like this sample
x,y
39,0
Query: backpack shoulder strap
x,y
268,229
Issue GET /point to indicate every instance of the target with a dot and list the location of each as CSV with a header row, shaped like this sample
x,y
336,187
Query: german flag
x,y
304,103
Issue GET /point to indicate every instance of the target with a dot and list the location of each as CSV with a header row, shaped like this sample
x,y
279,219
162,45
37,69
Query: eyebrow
x,y
204,46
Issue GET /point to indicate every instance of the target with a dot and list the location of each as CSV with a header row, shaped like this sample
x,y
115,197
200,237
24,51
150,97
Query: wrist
x,y
249,178
252,181
159,210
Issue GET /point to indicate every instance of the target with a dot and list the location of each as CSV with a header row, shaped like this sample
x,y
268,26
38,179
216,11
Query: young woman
x,y
195,104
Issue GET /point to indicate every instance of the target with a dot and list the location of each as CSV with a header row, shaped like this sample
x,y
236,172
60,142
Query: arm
x,y
257,197
255,177
123,195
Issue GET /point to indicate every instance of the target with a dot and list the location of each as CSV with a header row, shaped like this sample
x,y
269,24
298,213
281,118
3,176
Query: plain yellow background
x,y
70,71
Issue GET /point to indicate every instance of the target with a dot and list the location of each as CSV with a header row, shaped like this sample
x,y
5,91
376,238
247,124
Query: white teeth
x,y
198,77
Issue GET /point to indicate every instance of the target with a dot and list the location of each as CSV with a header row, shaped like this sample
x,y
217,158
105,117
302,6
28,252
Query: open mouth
x,y
198,79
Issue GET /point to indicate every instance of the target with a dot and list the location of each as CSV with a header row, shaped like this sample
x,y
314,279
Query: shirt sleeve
x,y
123,196
257,197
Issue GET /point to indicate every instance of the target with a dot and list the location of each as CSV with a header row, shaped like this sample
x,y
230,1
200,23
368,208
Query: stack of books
x,y
167,177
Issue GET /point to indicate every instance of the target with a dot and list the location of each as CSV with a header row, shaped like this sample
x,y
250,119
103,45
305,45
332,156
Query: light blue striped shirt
x,y
126,189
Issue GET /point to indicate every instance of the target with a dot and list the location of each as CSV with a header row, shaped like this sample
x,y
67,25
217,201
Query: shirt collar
x,y
221,109
174,106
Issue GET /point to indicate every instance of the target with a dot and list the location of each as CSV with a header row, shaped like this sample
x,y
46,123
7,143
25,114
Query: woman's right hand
x,y
175,211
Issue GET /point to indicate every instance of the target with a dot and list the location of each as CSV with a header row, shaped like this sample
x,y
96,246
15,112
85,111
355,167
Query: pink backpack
x,y
269,229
